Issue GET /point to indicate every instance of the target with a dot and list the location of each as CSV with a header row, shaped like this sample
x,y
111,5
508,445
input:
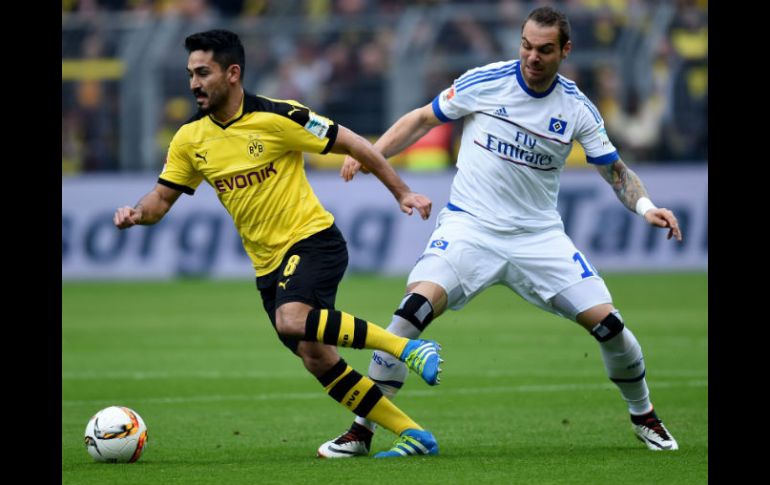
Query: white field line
x,y
437,393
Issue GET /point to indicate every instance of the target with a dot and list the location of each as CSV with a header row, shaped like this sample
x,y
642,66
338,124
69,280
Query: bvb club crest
x,y
255,147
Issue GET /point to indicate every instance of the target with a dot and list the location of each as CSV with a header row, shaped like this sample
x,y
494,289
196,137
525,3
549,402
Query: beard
x,y
215,101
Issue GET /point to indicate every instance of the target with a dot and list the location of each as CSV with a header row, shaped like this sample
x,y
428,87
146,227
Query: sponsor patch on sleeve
x,y
448,95
604,138
317,125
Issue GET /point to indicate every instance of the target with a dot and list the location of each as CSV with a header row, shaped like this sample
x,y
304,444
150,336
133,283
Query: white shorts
x,y
545,268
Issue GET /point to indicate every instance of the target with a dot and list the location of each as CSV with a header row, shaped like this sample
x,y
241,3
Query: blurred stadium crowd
x,y
363,63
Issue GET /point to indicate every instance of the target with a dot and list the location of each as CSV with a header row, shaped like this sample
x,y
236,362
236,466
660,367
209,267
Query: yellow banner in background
x,y
92,69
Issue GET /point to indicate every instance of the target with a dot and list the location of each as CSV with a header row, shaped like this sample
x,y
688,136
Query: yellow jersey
x,y
255,165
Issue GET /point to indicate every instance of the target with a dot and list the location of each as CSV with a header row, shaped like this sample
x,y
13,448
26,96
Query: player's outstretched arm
x,y
631,192
149,210
404,132
359,148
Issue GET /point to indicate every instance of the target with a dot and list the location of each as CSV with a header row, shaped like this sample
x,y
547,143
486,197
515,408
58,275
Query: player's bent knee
x,y
290,327
609,327
290,319
316,357
416,309
586,302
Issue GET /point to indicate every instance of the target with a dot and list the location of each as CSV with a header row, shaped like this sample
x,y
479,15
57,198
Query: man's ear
x,y
234,73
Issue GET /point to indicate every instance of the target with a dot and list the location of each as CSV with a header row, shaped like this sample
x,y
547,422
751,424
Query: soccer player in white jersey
x,y
501,225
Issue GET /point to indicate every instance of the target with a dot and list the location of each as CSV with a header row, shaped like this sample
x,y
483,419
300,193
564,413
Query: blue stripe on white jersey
x,y
572,89
477,73
566,81
604,159
591,108
437,111
490,75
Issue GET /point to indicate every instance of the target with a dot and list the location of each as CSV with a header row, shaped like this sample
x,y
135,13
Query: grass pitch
x,y
523,398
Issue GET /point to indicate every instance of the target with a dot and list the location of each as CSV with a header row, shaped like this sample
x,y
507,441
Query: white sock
x,y
624,363
385,368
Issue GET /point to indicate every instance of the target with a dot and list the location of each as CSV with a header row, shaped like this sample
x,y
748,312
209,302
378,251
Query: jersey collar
x,y
238,115
526,88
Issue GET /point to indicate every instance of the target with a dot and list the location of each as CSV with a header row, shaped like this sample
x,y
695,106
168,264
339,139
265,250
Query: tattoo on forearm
x,y
626,184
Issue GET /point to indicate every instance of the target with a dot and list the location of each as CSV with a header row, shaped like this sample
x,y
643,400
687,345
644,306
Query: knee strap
x,y
609,327
416,309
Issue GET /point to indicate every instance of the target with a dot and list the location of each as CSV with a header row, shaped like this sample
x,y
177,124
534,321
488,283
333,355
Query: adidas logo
x,y
501,112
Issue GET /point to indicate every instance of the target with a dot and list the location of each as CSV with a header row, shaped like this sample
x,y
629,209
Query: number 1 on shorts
x,y
587,267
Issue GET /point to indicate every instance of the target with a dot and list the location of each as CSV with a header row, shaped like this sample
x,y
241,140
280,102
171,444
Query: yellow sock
x,y
344,330
362,396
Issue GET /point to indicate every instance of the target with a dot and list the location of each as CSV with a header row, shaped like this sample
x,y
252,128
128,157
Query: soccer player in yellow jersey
x,y
249,149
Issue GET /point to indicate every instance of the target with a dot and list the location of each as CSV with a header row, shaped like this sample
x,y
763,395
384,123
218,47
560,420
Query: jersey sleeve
x,y
307,131
178,173
593,137
458,100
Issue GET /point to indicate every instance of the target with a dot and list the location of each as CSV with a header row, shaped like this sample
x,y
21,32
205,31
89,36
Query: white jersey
x,y
515,143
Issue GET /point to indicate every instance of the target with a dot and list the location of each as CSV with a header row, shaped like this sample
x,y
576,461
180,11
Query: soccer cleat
x,y
354,442
412,442
422,357
650,430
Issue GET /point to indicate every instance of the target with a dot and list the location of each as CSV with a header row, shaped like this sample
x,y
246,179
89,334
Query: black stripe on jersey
x,y
345,385
172,185
332,136
200,114
224,127
252,103
297,114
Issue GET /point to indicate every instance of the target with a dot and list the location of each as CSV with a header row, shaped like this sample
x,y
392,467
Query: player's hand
x,y
664,218
415,201
350,167
126,217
